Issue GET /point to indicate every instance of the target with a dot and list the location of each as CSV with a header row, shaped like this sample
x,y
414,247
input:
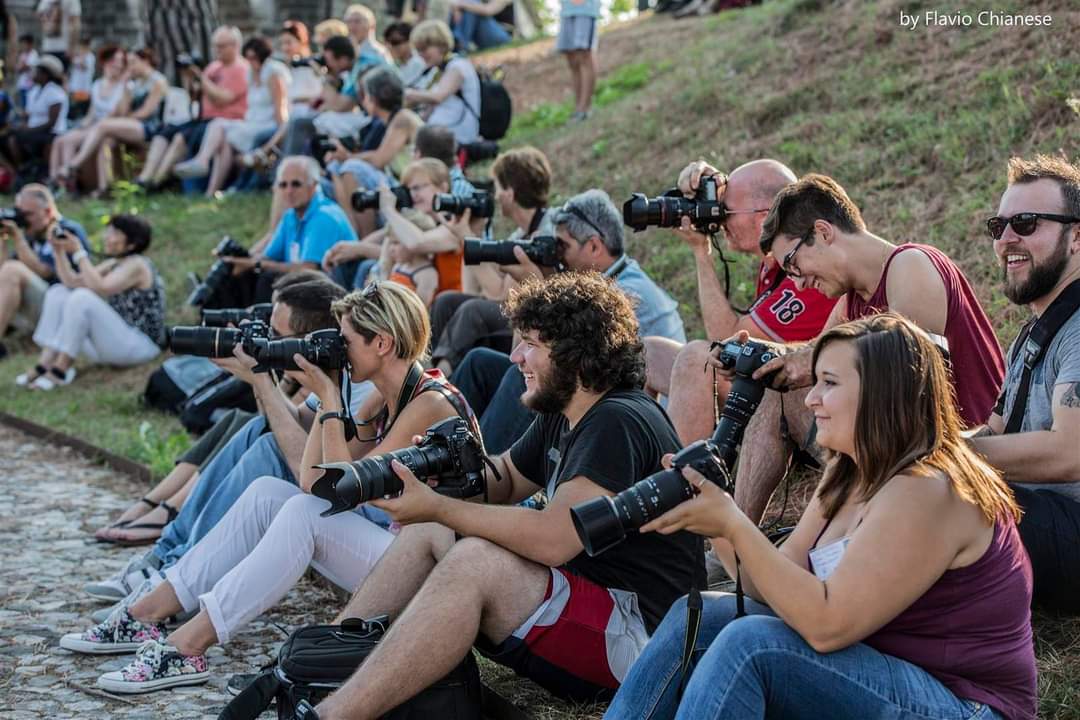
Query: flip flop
x,y
122,542
123,524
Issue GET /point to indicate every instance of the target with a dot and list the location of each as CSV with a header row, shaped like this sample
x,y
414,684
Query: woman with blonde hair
x,y
904,590
453,96
267,540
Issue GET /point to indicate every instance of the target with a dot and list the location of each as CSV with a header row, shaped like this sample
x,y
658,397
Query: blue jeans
x,y
483,31
251,453
493,386
758,667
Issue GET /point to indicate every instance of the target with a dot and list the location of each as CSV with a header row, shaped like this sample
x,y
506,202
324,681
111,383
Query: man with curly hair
x,y
514,581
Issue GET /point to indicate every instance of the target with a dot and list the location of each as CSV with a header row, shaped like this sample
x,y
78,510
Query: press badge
x,y
825,558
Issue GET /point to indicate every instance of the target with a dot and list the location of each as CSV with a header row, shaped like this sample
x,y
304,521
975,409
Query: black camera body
x,y
481,203
369,199
15,215
449,453
706,212
315,62
479,151
219,271
185,61
323,348
542,250
234,316
217,342
603,522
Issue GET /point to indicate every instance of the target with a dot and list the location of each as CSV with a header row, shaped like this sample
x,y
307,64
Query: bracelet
x,y
79,255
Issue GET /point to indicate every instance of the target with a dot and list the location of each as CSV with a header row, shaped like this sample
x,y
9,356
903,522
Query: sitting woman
x,y
266,541
111,313
137,120
105,96
453,97
904,590
263,126
46,115
382,99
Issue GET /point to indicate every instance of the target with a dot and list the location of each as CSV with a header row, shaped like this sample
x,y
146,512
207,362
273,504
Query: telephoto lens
x,y
15,215
480,203
603,522
210,342
234,316
219,272
449,453
542,250
705,211
369,199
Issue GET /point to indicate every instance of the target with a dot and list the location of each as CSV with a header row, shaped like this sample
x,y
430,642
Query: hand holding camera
x,y
788,369
240,365
711,513
326,385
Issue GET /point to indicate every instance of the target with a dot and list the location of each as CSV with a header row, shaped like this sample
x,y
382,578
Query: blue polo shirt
x,y
308,238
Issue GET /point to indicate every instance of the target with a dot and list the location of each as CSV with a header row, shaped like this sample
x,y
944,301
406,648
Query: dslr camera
x,y
219,272
705,210
603,522
542,250
322,144
449,453
185,61
217,342
15,215
481,203
323,348
235,316
369,199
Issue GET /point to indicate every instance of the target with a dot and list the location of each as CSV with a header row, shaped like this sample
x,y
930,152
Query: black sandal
x,y
172,512
127,524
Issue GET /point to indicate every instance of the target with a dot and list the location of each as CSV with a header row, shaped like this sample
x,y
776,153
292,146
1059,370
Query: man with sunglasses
x,y
310,226
1031,435
780,312
822,242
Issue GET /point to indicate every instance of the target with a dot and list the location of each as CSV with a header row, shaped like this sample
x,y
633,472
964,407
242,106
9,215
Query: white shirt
x,y
260,100
82,73
55,39
38,101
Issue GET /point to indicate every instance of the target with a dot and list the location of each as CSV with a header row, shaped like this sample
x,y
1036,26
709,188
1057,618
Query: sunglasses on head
x,y
1023,224
282,184
583,218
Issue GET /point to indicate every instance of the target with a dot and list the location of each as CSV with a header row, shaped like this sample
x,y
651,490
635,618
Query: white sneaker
x,y
24,379
50,381
122,583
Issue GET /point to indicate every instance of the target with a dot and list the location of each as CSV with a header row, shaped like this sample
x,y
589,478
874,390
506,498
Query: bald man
x,y
781,311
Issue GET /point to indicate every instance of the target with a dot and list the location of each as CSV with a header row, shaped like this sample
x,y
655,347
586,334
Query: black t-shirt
x,y
619,441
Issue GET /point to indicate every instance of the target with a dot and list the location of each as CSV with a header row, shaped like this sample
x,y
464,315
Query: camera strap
x,y
1033,342
408,389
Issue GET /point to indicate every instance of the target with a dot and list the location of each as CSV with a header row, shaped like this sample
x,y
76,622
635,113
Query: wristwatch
x,y
258,266
333,415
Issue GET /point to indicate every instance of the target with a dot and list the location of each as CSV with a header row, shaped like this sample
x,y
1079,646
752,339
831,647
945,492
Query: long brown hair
x,y
906,420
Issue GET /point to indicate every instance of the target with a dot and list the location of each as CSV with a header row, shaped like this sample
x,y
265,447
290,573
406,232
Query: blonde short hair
x,y
388,309
362,10
434,170
331,28
432,32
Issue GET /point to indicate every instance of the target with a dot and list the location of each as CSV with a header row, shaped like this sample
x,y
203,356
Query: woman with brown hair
x,y
904,590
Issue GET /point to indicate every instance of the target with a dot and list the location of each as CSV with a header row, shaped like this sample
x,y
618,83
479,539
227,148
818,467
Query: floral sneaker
x,y
156,666
119,633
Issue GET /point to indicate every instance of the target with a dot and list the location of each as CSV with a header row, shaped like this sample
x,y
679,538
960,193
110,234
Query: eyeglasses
x,y
582,217
728,211
370,291
282,184
1023,224
788,263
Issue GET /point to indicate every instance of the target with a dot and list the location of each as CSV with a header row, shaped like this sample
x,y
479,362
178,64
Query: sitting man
x,y
1031,435
461,321
311,225
820,237
590,233
517,585
780,312
252,452
27,263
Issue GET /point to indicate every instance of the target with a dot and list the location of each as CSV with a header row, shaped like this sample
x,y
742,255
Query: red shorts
x,y
580,642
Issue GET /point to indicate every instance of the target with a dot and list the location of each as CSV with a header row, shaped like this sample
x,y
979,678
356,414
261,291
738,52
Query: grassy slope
x,y
916,125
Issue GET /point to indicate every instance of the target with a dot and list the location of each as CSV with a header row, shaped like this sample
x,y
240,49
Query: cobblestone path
x,y
51,500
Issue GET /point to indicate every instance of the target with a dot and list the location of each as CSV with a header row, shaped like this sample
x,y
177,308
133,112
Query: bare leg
x,y
126,130
590,68
13,278
157,605
176,152
156,151
400,572
478,587
575,74
173,489
102,165
212,142
660,355
222,165
765,454
690,402
194,637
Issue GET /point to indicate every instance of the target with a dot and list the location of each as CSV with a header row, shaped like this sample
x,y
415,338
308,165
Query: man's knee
x,y
691,364
476,556
433,538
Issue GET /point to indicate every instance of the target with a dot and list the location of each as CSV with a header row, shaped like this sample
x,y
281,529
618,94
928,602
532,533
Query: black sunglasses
x,y
1023,224
282,184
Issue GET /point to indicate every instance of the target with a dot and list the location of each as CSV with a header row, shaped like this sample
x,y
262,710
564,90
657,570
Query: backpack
x,y
318,659
496,107
179,378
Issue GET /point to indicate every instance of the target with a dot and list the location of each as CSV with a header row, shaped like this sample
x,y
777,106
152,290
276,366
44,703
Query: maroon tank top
x,y
972,629
978,367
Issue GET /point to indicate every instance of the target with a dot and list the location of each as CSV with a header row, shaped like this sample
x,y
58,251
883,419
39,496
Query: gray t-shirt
x,y
1060,365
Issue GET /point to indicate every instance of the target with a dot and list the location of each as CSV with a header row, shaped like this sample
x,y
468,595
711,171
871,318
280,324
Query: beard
x,y
1043,276
553,392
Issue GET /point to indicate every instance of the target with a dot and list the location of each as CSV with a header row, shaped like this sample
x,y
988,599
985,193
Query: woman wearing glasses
x,y
904,590
266,541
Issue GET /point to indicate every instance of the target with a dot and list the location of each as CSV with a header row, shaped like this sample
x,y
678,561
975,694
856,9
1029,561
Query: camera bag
x,y
318,659
178,379
199,412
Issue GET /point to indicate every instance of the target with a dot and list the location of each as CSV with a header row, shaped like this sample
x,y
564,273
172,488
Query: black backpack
x,y
318,659
496,107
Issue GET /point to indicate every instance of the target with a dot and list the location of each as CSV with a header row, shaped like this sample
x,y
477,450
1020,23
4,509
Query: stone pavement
x,y
51,500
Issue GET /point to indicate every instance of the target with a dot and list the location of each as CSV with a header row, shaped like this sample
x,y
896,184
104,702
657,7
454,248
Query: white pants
x,y
81,322
263,545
